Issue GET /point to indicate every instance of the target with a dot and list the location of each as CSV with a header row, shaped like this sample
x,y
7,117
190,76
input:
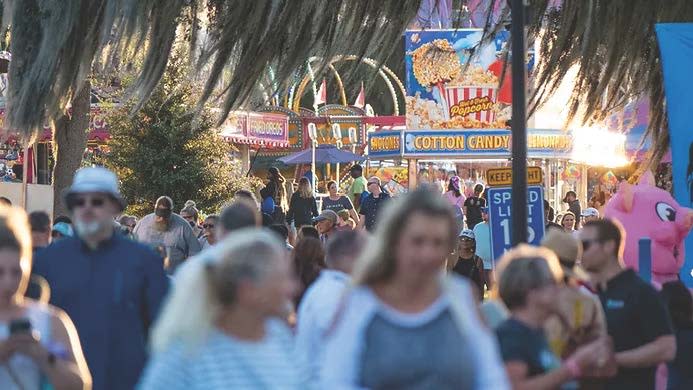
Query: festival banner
x,y
382,144
453,81
541,143
676,47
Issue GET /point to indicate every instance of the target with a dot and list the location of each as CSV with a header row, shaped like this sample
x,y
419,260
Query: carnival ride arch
x,y
385,73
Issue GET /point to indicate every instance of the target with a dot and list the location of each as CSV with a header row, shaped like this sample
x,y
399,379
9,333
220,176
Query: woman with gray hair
x,y
528,284
405,324
218,328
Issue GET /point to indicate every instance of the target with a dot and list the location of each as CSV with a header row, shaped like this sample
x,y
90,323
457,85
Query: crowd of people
x,y
371,292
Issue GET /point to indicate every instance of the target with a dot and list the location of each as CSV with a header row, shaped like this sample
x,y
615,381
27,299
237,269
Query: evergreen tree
x,y
165,149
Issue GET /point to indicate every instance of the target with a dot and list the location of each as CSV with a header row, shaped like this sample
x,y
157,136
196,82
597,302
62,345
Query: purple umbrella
x,y
324,154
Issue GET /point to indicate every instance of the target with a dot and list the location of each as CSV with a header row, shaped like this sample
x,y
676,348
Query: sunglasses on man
x,y
208,226
83,201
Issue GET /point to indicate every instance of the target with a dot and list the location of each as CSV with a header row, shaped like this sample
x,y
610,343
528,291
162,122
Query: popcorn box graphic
x,y
475,102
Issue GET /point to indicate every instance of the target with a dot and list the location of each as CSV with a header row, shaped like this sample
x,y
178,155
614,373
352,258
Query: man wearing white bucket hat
x,y
110,286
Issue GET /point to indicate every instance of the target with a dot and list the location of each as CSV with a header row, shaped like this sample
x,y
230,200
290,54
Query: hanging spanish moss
x,y
56,43
613,45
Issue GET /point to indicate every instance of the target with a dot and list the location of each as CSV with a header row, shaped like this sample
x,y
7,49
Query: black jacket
x,y
301,210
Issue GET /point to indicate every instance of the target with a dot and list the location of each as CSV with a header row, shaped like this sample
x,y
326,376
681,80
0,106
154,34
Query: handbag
x,y
267,205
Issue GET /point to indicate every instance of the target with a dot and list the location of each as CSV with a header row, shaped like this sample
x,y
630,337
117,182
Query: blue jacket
x,y
112,295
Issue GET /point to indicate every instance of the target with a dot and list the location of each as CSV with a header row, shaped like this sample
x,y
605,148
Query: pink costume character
x,y
647,211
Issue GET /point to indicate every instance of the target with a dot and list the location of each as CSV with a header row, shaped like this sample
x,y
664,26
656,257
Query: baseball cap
x,y
590,212
466,233
326,215
63,228
96,179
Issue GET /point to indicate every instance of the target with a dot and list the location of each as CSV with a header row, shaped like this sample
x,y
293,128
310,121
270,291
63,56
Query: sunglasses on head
x,y
208,226
84,201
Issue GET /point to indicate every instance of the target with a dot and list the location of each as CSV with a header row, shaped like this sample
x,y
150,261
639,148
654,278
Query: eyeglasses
x,y
84,201
208,226
586,244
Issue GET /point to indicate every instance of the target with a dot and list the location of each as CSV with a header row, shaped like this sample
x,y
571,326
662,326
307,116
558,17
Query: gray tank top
x,y
431,355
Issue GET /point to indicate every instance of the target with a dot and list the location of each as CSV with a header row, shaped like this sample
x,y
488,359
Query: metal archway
x,y
383,72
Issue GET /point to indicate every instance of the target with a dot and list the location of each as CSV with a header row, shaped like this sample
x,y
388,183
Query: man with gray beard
x,y
109,285
164,228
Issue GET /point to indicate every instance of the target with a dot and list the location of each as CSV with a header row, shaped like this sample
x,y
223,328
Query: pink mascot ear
x,y
647,179
624,197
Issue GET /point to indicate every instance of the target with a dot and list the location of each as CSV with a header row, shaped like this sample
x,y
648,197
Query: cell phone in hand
x,y
20,325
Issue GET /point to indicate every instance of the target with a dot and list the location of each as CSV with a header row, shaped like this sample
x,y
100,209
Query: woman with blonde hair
x,y
219,327
302,207
405,324
528,283
39,345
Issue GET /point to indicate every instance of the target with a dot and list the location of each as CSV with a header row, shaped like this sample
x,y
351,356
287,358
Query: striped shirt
x,y
224,362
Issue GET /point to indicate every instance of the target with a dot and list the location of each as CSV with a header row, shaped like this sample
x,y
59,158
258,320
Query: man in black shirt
x,y
636,319
573,206
371,206
473,205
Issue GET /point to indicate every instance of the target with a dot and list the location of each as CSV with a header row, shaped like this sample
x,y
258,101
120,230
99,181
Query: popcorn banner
x,y
454,82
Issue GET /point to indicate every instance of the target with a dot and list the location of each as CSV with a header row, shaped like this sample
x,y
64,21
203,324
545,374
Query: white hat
x,y
590,212
96,179
467,234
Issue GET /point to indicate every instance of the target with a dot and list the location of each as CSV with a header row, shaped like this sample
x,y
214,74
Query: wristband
x,y
573,368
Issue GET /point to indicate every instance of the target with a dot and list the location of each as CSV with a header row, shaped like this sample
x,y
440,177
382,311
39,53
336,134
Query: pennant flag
x,y
321,97
361,99
676,48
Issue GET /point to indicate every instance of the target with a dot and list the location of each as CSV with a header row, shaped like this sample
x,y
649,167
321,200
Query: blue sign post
x,y
500,219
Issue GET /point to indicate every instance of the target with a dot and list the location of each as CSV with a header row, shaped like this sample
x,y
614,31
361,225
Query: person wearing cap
x,y
110,286
573,206
578,318
163,227
358,186
61,230
326,223
590,214
372,204
468,263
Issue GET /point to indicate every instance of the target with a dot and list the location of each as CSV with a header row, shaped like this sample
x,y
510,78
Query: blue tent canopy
x,y
324,154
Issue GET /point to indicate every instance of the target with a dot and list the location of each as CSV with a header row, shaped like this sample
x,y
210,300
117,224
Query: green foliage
x,y
165,149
